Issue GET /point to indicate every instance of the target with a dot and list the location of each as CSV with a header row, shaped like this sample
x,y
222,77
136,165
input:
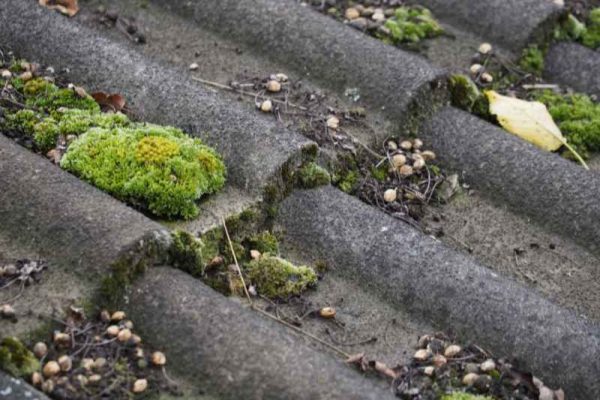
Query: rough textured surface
x,y
435,283
510,23
234,353
49,214
330,53
16,389
559,193
574,65
253,146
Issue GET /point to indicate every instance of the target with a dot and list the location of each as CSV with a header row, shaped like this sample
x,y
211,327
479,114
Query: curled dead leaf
x,y
66,7
109,102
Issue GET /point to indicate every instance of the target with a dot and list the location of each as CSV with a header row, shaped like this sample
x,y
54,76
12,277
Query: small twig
x,y
250,94
239,270
365,341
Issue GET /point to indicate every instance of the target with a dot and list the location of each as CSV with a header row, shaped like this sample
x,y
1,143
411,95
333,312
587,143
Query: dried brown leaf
x,y
67,7
109,102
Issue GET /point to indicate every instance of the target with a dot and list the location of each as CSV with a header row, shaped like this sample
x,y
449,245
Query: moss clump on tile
x,y
411,24
587,33
187,253
156,168
41,94
278,278
16,359
265,242
532,60
311,175
464,396
577,116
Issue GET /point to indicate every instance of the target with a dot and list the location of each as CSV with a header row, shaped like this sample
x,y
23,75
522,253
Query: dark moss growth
x,y
321,266
265,242
278,278
463,91
311,175
591,37
16,359
186,253
348,182
577,116
532,60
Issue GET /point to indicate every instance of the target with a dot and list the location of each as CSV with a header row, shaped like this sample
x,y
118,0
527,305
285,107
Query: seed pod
x,y
352,13
36,379
406,171
439,360
254,254
128,324
87,363
418,164
273,86
139,386
194,66
485,48
488,365
139,353
117,316
82,379
452,350
398,160
112,330
7,311
136,339
61,338
487,78
417,144
333,122
26,76
50,369
104,316
65,363
99,363
424,341
266,106
406,145
158,358
327,312
428,155
48,386
476,68
422,355
281,77
124,335
469,379
6,74
95,378
392,146
429,371
390,195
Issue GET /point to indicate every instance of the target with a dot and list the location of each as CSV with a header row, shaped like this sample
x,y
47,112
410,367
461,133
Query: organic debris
x,y
443,369
101,357
128,26
66,7
17,274
109,102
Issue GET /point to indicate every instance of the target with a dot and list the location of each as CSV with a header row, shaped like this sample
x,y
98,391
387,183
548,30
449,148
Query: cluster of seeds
x,y
406,160
477,69
272,85
103,358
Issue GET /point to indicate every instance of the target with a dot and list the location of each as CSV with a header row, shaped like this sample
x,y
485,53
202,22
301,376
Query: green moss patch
x,y
157,168
577,116
278,278
16,359
532,60
312,175
587,33
411,24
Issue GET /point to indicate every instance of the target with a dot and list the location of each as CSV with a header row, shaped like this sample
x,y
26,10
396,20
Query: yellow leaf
x,y
529,120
